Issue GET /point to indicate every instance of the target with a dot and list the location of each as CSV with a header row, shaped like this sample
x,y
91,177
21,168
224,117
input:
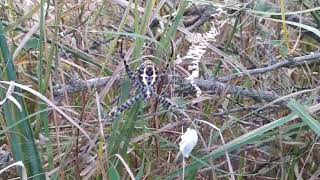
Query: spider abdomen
x,y
148,74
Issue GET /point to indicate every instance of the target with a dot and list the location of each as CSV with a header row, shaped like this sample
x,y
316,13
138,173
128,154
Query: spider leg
x,y
162,74
131,74
128,104
128,70
169,105
166,103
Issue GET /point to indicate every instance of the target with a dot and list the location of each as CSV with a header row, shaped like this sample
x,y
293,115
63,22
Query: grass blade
x,y
171,31
298,109
22,140
43,74
235,144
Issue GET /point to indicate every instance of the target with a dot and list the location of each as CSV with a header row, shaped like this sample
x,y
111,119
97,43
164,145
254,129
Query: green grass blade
x,y
113,173
115,138
22,19
171,31
121,135
235,144
22,139
141,28
113,145
128,128
300,25
114,42
284,26
268,12
77,53
43,72
304,115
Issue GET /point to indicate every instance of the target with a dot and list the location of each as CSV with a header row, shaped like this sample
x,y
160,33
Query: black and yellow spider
x,y
145,78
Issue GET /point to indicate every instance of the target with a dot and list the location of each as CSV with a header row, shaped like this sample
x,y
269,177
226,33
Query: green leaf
x,y
32,43
140,173
264,6
304,115
113,173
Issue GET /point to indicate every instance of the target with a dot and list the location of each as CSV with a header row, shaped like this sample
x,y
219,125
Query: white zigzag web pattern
x,y
198,48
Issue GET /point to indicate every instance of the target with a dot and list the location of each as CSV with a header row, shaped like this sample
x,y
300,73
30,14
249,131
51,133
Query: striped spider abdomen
x,y
148,77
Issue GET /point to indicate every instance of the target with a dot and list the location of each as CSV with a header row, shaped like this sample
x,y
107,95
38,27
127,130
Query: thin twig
x,y
215,87
211,86
291,62
240,109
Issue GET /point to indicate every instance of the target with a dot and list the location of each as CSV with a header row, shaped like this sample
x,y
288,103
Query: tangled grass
x,y
246,74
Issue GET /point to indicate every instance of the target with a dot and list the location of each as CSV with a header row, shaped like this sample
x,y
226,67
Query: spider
x,y
145,78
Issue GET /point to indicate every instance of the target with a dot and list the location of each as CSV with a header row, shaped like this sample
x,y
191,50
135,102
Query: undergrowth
x,y
244,75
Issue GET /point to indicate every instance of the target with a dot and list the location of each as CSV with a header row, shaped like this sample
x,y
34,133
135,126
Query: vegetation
x,y
244,74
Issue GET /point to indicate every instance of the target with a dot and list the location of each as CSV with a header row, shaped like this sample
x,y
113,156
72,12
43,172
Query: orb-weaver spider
x,y
145,78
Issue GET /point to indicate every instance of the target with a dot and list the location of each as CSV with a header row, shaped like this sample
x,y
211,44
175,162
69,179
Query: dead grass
x,y
238,90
